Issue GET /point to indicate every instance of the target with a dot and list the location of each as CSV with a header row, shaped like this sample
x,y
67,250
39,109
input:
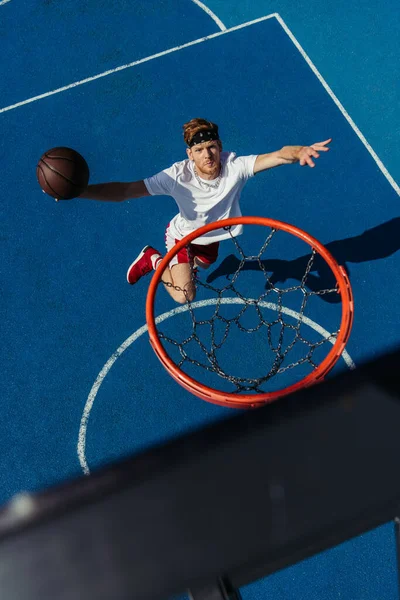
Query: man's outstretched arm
x,y
115,191
291,154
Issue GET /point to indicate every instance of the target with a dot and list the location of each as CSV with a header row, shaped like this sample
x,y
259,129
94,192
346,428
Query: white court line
x,y
134,64
4,2
346,115
340,106
210,13
81,447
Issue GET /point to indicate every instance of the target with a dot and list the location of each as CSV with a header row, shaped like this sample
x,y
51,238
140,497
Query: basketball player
x,y
206,187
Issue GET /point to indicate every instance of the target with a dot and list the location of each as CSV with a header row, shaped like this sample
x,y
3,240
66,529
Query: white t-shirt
x,y
200,204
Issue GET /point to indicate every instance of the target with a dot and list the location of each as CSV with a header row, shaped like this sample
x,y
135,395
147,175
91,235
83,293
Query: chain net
x,y
286,342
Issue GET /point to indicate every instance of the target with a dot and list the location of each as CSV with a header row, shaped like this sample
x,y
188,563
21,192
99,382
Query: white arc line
x,y
81,447
4,2
340,106
132,64
211,14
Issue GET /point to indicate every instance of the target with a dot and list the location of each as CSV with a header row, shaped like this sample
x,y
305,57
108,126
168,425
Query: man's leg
x,y
178,278
205,256
201,264
178,281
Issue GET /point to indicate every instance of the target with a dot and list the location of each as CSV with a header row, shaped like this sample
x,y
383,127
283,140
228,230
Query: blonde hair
x,y
194,126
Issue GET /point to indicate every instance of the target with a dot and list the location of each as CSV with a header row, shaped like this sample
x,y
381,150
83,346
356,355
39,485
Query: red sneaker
x,y
142,264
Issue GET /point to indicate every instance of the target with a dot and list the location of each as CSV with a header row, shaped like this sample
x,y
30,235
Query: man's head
x,y
204,146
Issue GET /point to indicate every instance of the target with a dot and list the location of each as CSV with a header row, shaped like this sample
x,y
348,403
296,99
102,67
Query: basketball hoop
x,y
286,321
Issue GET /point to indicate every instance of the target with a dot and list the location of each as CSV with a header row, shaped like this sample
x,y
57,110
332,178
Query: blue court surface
x,y
81,386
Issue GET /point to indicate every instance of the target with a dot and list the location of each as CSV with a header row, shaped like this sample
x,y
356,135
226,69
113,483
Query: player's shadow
x,y
379,242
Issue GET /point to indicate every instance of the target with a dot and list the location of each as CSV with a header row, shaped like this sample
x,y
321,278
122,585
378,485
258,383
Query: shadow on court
x,y
376,243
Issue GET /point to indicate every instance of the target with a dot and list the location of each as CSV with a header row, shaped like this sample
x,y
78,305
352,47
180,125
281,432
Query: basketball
x,y
62,173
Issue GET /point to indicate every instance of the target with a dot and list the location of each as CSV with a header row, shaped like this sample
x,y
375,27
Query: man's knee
x,y
185,296
201,264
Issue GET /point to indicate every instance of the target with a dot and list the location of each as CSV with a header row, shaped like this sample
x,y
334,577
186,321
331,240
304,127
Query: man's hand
x,y
288,155
307,153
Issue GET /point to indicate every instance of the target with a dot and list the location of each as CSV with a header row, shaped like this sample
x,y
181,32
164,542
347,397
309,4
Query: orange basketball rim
x,y
239,400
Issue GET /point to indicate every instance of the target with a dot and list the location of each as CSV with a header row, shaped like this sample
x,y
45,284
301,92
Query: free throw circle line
x,y
81,446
